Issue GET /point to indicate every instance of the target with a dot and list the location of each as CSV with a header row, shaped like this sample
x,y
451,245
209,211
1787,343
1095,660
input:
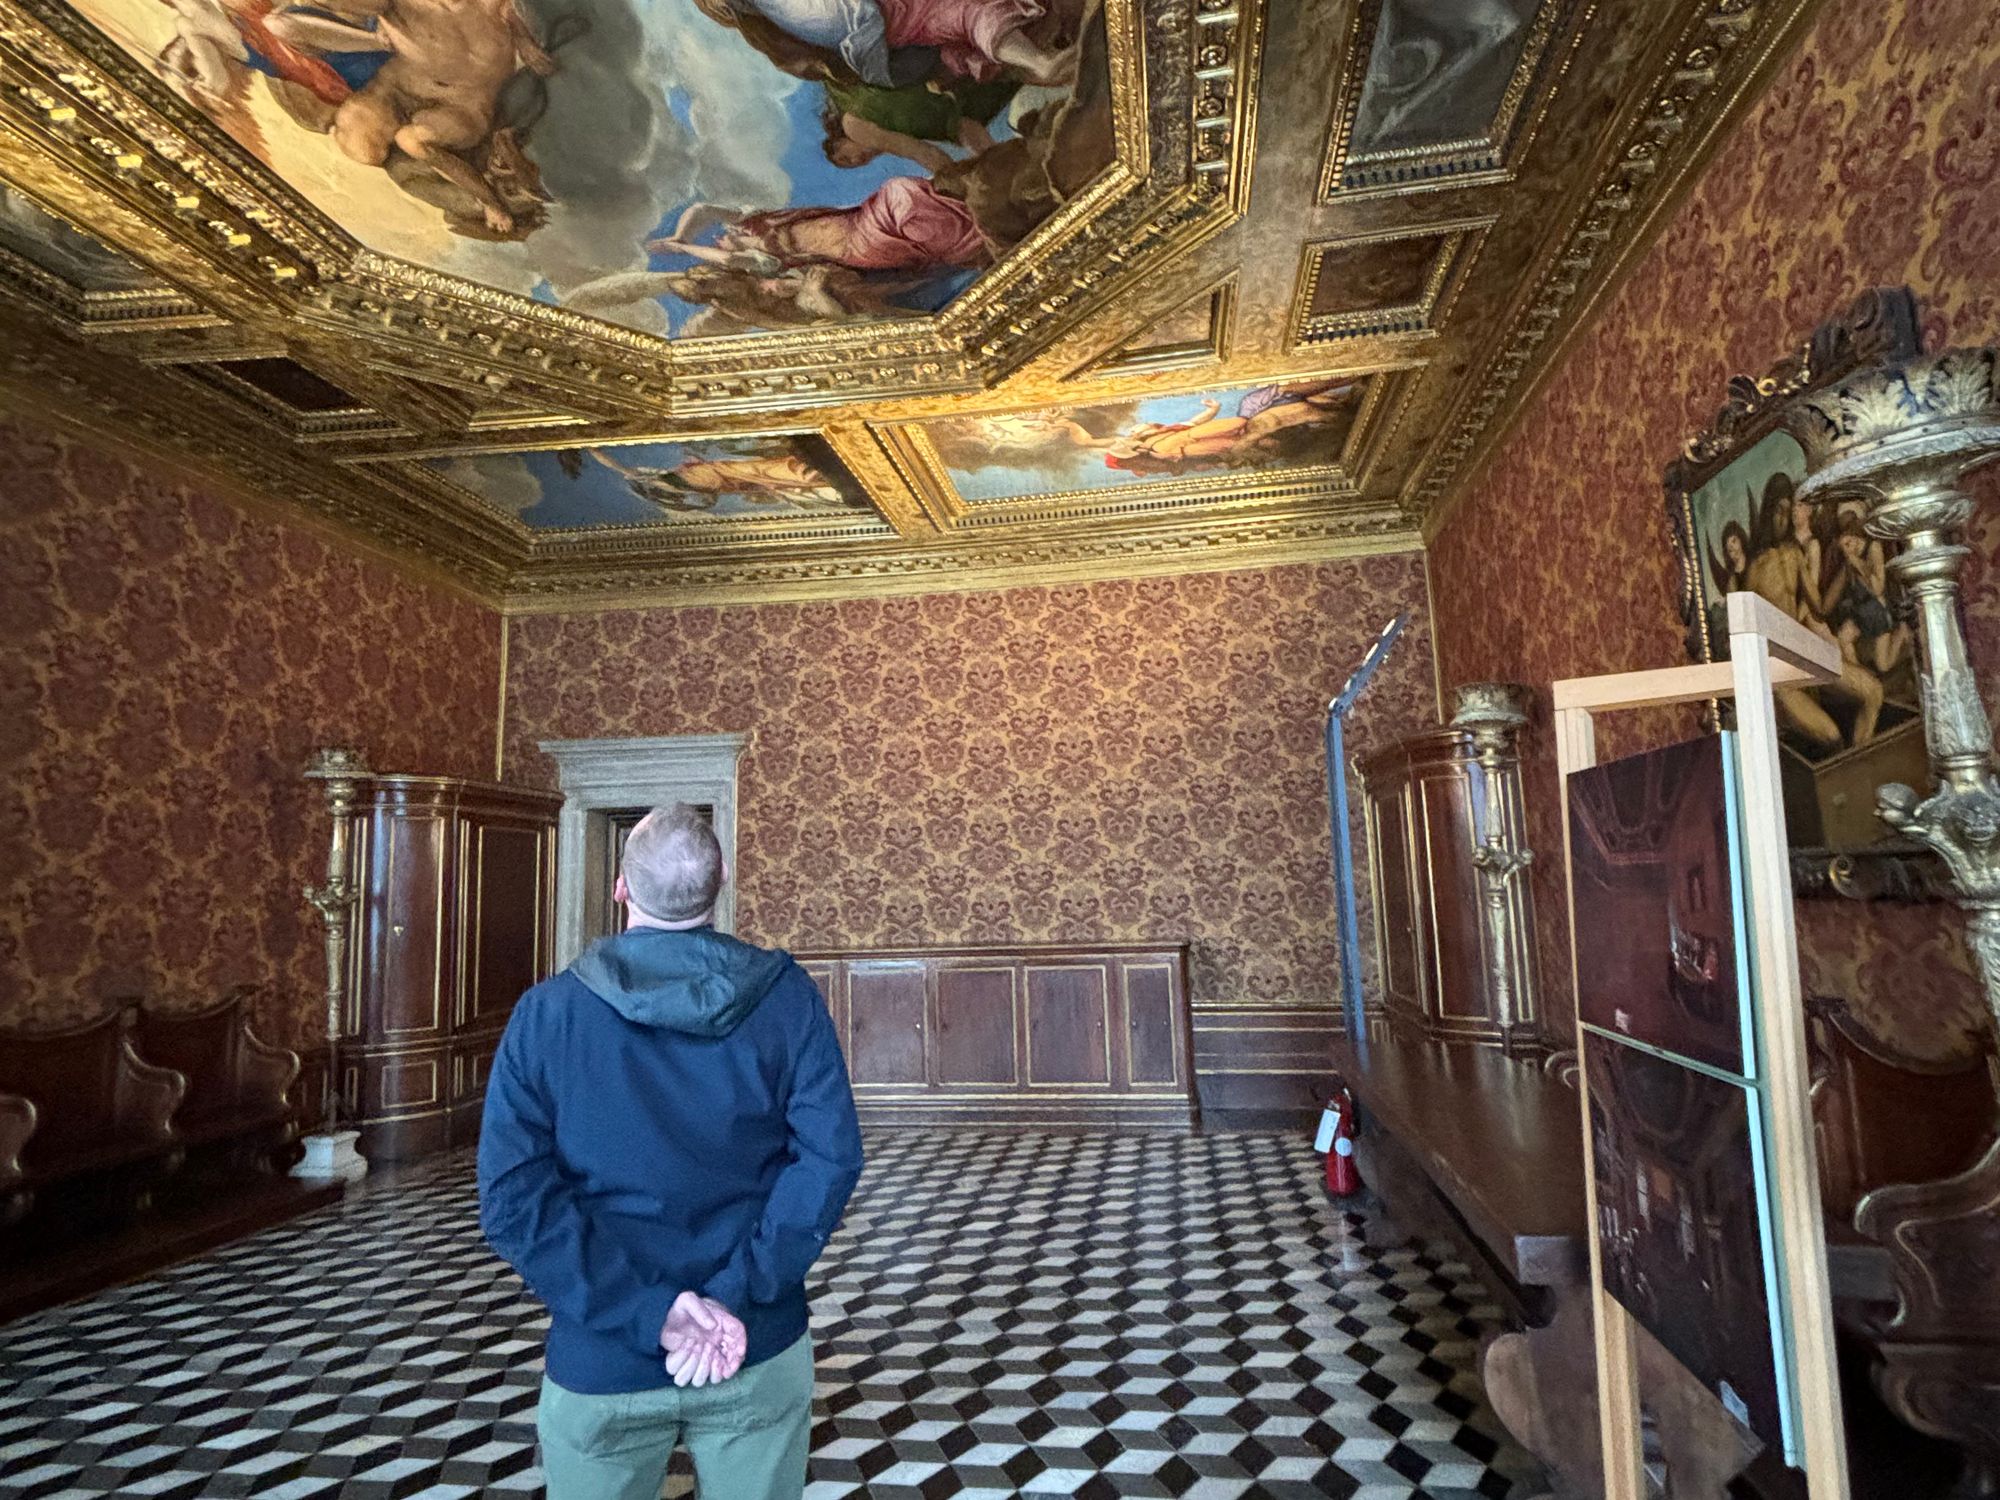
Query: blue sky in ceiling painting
x,y
607,486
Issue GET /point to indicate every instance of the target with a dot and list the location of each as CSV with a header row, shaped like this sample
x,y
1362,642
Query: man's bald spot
x,y
673,864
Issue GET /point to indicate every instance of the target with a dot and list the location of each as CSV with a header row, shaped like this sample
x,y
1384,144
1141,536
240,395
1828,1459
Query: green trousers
x,y
748,1436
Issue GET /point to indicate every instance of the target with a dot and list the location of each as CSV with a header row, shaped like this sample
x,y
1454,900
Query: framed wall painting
x,y
1738,524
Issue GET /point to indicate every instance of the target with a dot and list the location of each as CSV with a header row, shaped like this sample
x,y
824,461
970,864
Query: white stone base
x,y
331,1156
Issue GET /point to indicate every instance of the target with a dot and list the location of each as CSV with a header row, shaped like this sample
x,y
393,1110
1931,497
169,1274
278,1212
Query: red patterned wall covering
x,y
170,662
1106,761
1873,160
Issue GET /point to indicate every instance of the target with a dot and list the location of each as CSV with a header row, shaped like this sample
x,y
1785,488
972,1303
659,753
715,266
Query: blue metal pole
x,y
1347,914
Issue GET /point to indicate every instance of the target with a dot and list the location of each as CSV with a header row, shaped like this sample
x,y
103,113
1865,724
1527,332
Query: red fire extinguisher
x,y
1336,1131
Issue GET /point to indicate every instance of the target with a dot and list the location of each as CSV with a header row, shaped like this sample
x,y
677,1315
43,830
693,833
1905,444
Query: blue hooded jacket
x,y
670,1113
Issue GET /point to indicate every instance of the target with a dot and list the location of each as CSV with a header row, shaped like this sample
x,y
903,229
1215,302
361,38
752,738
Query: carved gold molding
x,y
1129,355
96,130
1721,57
1443,279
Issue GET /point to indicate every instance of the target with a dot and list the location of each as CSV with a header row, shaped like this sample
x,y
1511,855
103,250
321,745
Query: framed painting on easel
x,y
1695,1088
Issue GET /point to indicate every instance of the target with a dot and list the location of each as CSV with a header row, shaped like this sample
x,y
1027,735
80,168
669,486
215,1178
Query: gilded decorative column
x,y
330,1152
1495,713
1902,438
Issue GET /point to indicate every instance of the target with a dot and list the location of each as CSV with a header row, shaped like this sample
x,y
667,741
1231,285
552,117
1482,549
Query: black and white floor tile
x,y
1144,1315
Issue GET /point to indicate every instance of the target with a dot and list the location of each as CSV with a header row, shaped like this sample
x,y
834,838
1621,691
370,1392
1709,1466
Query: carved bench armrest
x,y
147,1095
267,1071
18,1118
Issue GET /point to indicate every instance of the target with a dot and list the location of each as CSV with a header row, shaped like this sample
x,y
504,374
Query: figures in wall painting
x,y
1816,562
682,166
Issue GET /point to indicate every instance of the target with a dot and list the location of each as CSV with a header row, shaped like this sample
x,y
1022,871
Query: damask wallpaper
x,y
1873,160
1121,760
171,662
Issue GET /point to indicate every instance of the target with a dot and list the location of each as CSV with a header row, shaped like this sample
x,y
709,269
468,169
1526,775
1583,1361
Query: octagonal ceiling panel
x,y
683,167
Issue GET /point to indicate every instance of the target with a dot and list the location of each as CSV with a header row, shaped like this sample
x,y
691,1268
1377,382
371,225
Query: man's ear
x,y
621,892
726,874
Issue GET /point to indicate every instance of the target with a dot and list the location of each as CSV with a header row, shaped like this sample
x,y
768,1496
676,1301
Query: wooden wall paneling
x,y
977,1025
1263,1064
1068,1025
1032,1035
887,1002
833,990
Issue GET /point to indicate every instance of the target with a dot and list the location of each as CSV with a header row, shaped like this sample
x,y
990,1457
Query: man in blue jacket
x,y
669,1140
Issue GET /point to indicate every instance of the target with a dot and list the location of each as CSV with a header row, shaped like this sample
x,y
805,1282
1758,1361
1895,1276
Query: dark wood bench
x,y
235,1115
103,1136
1485,1151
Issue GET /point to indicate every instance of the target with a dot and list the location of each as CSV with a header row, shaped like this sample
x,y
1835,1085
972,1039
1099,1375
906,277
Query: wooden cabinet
x,y
456,919
1014,1035
1454,929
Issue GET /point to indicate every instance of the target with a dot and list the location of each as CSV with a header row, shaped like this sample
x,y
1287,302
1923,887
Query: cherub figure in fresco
x,y
888,43
1168,447
905,224
698,485
432,109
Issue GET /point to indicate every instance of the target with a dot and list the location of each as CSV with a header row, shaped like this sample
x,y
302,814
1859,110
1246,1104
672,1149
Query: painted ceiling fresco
x,y
601,299
1116,444
679,166
632,484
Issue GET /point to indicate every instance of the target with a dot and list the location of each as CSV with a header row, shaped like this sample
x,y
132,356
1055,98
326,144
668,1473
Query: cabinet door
x,y
975,1037
1396,899
1069,1025
886,1022
1460,998
402,989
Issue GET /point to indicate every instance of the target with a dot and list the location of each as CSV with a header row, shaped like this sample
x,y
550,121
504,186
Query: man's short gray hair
x,y
673,864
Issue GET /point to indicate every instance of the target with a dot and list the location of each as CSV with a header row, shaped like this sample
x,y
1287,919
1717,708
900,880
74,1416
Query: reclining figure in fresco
x,y
442,113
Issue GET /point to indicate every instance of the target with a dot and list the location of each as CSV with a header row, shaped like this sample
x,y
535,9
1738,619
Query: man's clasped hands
x,y
704,1340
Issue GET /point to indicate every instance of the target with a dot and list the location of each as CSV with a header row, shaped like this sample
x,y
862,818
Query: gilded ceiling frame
x,y
1341,482
1553,33
1443,280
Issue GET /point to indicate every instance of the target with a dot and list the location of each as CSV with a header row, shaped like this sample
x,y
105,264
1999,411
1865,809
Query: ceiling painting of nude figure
x,y
684,167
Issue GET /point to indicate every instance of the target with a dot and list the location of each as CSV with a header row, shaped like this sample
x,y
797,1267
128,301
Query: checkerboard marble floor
x,y
1093,1315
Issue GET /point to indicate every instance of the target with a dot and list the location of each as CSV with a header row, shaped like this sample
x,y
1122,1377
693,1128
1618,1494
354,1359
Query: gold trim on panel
x,y
399,1070
1443,280
1174,1037
1129,357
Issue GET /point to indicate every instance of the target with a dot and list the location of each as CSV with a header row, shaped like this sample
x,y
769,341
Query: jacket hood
x,y
698,981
